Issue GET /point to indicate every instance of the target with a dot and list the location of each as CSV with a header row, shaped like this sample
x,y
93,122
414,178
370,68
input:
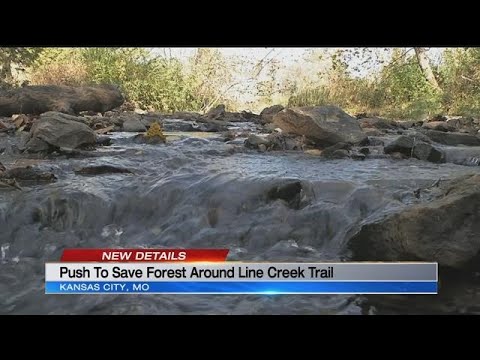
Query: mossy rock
x,y
153,136
155,131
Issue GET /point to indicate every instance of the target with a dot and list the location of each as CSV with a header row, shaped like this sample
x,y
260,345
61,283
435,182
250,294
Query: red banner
x,y
131,255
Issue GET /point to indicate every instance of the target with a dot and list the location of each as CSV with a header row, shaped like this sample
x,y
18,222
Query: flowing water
x,y
199,191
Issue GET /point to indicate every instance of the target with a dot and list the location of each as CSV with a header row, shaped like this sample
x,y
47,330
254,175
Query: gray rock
x,y
372,132
28,173
452,139
340,154
358,156
102,169
411,147
427,152
56,130
281,141
337,151
133,125
407,124
375,141
439,126
377,123
182,125
104,141
37,145
323,125
290,192
445,230
254,141
268,113
463,124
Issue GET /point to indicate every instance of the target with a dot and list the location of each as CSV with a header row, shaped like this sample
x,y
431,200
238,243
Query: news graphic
x,y
202,271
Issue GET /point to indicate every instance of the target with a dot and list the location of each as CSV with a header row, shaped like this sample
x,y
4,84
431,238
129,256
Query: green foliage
x,y
59,66
210,76
400,91
355,95
406,91
19,56
148,82
460,75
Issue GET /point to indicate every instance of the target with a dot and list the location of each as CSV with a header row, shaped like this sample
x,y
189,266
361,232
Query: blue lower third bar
x,y
243,287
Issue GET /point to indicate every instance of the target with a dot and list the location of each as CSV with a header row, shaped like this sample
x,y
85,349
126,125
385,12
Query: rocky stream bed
x,y
309,184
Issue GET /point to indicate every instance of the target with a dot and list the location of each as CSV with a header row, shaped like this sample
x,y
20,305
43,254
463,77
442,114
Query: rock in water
x,y
254,141
337,151
153,136
412,147
28,174
182,125
102,169
133,125
290,192
267,114
276,141
323,125
57,130
439,126
445,230
448,138
280,141
377,123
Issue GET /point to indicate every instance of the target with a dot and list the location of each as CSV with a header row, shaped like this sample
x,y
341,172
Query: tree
x,y
211,75
22,56
424,64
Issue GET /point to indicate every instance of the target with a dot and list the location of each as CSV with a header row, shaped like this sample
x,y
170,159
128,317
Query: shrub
x,y
148,82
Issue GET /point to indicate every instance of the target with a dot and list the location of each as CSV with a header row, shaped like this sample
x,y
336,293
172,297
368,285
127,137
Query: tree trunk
x,y
425,67
65,99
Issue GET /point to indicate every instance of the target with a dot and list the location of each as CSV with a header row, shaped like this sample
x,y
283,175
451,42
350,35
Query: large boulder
x,y
446,230
453,139
38,99
323,125
411,147
268,113
57,130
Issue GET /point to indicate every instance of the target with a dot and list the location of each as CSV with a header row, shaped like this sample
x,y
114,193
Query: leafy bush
x,y
58,66
399,91
460,75
149,82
